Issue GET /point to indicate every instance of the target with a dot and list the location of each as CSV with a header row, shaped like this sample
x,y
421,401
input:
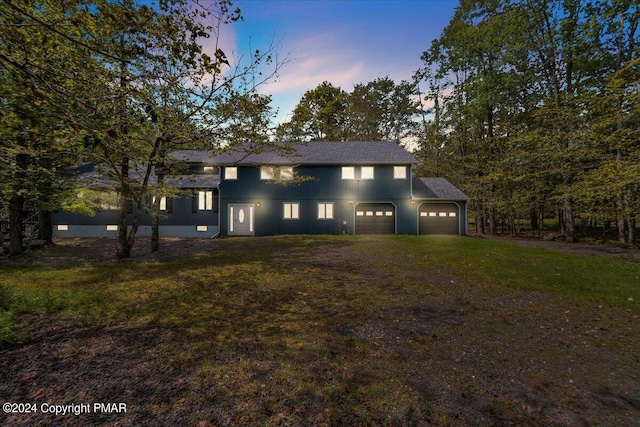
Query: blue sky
x,y
343,42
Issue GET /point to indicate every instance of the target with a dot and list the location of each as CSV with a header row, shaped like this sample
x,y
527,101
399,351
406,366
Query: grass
x,y
332,330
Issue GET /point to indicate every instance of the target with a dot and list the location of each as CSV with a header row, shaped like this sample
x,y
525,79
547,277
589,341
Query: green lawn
x,y
327,330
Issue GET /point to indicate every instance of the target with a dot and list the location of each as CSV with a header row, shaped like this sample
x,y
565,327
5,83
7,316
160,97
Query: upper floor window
x,y
231,172
266,172
286,173
366,172
269,172
399,172
348,172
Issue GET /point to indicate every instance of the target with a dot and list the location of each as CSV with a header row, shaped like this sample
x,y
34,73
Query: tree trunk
x,y
45,227
124,249
533,216
569,225
16,205
155,226
155,212
493,229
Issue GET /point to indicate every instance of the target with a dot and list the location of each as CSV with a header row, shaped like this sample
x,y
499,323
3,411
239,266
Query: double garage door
x,y
375,218
434,218
438,218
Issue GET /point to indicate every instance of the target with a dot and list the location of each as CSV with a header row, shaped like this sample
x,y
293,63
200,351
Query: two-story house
x,y
313,188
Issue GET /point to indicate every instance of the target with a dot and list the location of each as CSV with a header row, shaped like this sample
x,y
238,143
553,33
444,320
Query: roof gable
x,y
321,153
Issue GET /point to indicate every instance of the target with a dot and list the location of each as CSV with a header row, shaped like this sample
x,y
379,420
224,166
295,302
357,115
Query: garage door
x,y
439,218
375,218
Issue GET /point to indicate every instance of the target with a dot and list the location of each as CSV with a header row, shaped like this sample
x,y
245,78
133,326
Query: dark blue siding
x,y
316,184
181,217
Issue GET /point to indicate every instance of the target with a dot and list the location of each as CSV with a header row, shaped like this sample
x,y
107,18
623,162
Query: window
x,y
366,172
63,227
452,214
325,210
163,203
205,200
207,169
399,172
291,210
112,227
110,201
348,172
286,173
442,214
266,172
231,172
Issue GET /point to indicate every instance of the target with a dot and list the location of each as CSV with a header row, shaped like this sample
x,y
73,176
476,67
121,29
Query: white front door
x,y
241,219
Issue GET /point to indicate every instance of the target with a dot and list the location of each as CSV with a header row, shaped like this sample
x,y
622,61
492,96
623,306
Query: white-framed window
x,y
286,173
399,172
205,200
231,172
325,210
366,172
348,172
163,203
266,172
291,210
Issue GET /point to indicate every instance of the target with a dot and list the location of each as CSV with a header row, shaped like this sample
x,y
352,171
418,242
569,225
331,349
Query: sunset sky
x,y
342,42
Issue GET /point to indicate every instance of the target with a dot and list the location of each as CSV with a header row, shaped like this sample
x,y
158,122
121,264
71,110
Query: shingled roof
x,y
193,156
436,188
321,153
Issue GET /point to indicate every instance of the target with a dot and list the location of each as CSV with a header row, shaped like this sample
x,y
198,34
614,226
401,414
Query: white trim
x,y
369,177
291,210
397,174
351,173
231,172
266,173
325,210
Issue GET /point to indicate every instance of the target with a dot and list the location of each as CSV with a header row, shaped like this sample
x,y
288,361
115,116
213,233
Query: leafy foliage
x,y
535,107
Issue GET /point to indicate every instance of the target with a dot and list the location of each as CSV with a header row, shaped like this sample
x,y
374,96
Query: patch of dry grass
x,y
332,331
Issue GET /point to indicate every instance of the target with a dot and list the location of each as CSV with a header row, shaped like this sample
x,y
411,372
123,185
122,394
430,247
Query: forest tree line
x,y
531,107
